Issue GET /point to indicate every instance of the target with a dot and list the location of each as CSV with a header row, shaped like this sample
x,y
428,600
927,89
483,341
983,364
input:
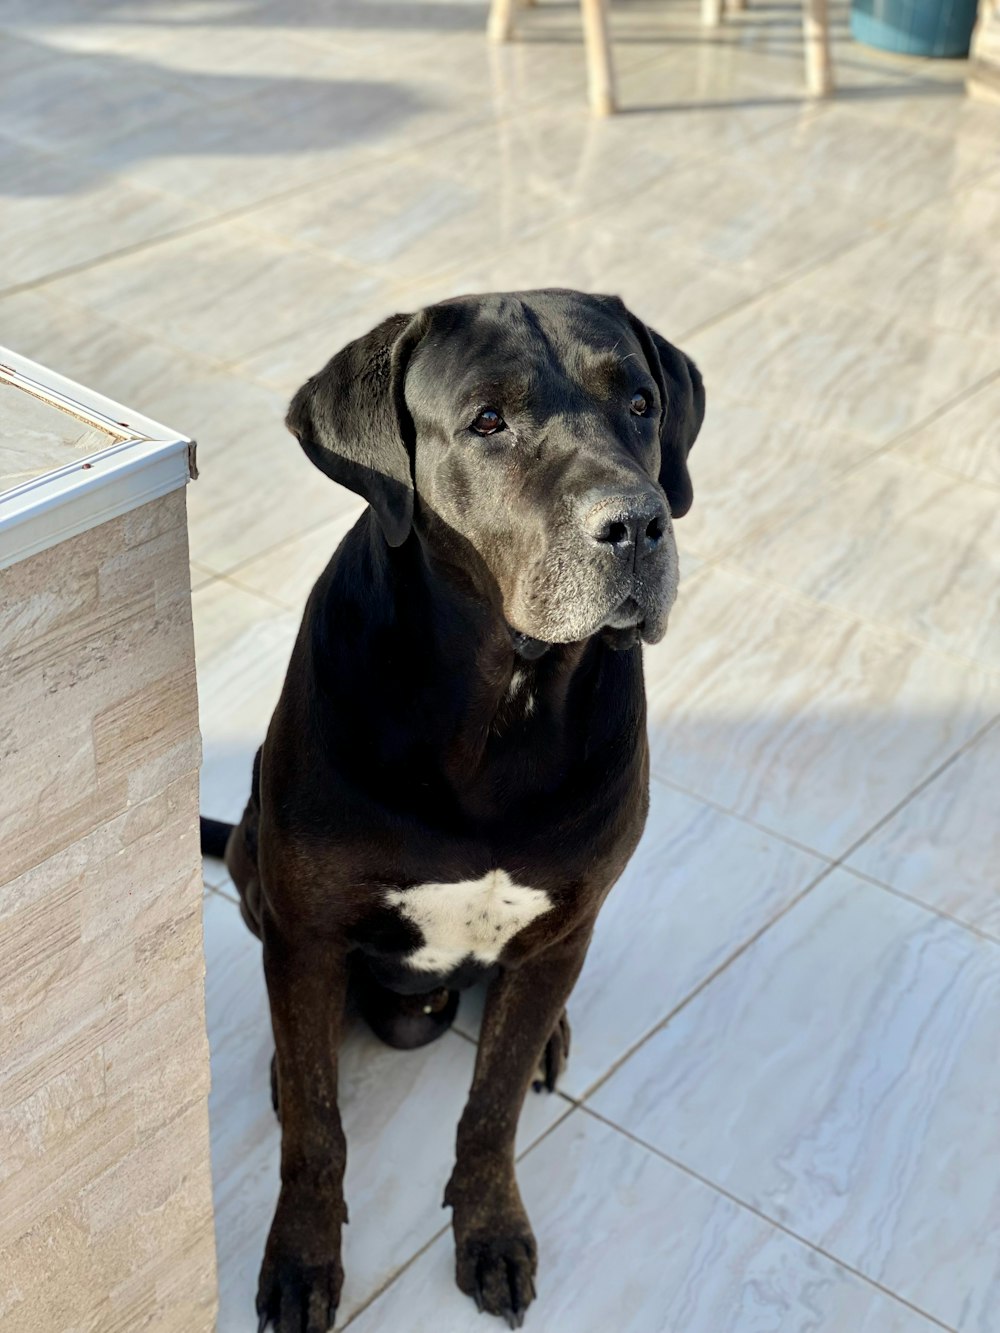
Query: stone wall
x,y
105,1188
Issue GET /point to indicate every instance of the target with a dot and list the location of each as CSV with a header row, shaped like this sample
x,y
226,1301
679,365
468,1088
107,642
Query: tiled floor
x,y
783,1103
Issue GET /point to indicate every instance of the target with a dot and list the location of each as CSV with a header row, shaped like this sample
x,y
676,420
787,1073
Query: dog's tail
x,y
214,836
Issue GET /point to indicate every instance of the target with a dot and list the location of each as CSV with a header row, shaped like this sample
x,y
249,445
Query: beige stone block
x,y
105,1185
98,704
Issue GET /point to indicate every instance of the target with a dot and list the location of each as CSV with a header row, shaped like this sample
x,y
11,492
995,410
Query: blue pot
x,y
915,27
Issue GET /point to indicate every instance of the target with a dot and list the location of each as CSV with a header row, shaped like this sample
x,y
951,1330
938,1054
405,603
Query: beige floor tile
x,y
901,544
803,355
231,151
56,215
661,933
242,646
892,167
715,96
798,716
286,364
753,467
627,1241
136,367
835,1078
400,1110
200,576
932,100
946,258
674,289
255,494
287,573
963,440
67,100
727,213
224,293
943,847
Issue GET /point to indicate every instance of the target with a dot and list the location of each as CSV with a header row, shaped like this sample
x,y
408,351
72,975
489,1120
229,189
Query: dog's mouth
x,y
622,629
628,615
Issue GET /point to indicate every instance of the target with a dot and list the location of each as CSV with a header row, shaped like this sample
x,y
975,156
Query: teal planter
x,y
915,27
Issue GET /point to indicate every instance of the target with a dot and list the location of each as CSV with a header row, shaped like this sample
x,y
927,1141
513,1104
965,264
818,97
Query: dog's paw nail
x,y
263,1322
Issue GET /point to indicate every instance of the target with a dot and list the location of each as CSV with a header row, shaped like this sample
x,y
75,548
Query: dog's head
x,y
536,442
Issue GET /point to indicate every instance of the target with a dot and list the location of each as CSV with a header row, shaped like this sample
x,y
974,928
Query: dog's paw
x,y
298,1298
554,1057
301,1276
498,1272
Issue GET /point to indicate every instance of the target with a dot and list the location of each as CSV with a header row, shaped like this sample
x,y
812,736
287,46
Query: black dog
x,y
457,770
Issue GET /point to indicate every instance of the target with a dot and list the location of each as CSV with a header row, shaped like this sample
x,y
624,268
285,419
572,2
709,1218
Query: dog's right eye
x,y
488,422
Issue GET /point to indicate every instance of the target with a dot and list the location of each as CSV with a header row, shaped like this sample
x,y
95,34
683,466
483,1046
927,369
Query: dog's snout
x,y
632,525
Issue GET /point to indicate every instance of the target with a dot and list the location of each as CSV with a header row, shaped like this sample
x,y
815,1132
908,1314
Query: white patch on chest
x,y
473,916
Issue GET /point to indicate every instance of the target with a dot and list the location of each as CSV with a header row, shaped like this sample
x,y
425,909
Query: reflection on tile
x,y
964,439
849,368
398,214
628,1242
715,97
943,847
877,1022
400,1111
699,886
718,207
798,716
902,544
752,466
242,646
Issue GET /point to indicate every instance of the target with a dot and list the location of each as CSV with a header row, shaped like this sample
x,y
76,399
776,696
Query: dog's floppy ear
x,y
682,391
352,422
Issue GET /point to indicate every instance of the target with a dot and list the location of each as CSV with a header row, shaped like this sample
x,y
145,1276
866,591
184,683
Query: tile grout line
x,y
417,1254
837,864
940,912
920,787
673,785
707,981
766,1218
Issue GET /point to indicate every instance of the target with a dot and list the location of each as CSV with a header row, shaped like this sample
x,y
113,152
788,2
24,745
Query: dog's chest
x,y
469,918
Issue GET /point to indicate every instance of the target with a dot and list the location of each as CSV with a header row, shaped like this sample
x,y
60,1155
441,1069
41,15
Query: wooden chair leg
x,y
816,34
500,25
600,71
711,13
737,5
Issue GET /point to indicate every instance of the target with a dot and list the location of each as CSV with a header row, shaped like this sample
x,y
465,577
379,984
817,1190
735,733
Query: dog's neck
x,y
450,673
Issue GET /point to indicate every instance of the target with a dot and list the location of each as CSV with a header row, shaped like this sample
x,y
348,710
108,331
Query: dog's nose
x,y
631,525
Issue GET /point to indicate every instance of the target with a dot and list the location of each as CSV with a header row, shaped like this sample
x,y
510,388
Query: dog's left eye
x,y
639,404
488,422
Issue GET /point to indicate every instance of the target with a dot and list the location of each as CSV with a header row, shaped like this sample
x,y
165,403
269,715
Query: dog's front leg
x,y
301,1276
495,1248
